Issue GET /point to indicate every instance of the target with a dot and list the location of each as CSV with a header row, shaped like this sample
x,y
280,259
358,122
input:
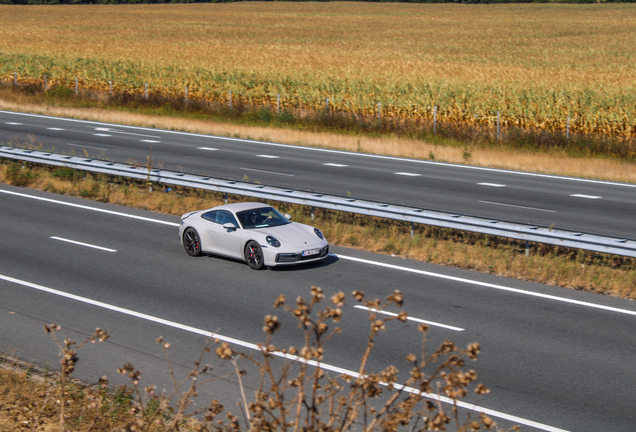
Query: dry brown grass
x,y
569,268
559,164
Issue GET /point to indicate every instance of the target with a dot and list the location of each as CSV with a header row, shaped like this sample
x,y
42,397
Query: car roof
x,y
237,207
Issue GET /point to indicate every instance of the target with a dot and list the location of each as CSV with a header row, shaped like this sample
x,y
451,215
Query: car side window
x,y
224,216
211,216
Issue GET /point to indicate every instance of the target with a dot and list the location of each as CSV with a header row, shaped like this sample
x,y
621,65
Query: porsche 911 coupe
x,y
252,232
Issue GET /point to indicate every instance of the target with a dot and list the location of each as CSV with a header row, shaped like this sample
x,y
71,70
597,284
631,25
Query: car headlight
x,y
319,233
272,241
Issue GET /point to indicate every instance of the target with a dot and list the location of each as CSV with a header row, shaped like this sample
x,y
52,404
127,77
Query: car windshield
x,y
261,218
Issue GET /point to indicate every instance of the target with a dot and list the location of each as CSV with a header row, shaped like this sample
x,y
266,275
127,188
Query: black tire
x,y
192,242
254,255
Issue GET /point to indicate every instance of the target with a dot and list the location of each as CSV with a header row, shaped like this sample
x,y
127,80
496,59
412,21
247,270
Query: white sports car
x,y
252,232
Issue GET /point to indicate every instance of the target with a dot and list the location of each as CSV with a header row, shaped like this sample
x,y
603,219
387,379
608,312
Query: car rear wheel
x,y
192,242
254,255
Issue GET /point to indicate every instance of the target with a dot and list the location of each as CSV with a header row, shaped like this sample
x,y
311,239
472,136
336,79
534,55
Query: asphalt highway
x,y
589,206
554,359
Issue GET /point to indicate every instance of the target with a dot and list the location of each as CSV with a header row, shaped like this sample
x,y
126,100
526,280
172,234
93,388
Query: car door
x,y
226,241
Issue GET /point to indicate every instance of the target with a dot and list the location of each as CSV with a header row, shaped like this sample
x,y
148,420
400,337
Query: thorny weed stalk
x,y
300,394
68,352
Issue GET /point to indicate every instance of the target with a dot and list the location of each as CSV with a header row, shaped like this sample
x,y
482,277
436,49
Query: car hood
x,y
294,234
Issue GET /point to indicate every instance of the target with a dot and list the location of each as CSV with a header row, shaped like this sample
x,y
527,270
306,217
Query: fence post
x,y
230,100
186,95
146,91
45,83
327,104
567,133
379,112
498,125
76,87
110,83
15,79
435,120
278,104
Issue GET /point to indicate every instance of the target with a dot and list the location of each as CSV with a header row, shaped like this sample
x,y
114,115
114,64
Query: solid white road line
x,y
409,318
586,196
207,148
83,244
342,152
408,174
268,156
90,208
489,285
518,206
335,165
255,347
149,141
102,135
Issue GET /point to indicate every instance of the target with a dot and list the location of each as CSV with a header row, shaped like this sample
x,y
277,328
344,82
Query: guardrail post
x,y
412,230
527,248
225,196
312,213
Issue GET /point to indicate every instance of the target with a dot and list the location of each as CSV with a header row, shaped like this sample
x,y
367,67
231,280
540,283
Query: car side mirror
x,y
287,216
229,226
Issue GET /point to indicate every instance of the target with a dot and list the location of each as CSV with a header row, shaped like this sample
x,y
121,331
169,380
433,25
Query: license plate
x,y
311,252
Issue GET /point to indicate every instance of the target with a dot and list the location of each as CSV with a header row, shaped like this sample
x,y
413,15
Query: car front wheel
x,y
192,242
254,255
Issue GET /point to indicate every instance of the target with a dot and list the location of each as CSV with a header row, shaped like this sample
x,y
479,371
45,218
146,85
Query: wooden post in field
x,y
76,87
111,88
327,104
278,104
230,100
45,83
498,125
379,112
15,79
146,91
186,95
567,133
435,120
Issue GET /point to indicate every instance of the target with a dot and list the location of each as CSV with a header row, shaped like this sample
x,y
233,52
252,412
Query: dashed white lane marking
x,y
410,318
111,130
55,129
82,145
268,156
408,174
586,196
150,141
335,165
13,123
207,148
102,135
492,184
267,172
255,347
83,244
518,206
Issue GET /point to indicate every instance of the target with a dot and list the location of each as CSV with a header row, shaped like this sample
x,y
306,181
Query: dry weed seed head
x,y
224,352
271,324
338,299
359,295
317,294
280,301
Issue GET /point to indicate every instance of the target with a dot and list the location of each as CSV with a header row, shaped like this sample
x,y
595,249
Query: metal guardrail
x,y
529,233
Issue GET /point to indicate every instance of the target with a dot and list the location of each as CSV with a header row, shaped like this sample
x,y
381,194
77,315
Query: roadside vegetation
x,y
571,268
295,391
